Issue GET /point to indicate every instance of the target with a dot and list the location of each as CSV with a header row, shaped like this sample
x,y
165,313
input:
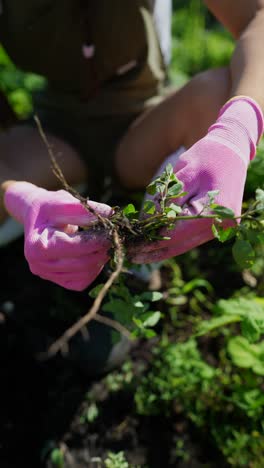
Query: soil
x,y
42,402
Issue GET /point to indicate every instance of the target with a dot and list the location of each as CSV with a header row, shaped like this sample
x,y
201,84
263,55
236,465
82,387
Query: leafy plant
x,y
132,310
162,211
57,458
18,85
248,312
116,460
178,373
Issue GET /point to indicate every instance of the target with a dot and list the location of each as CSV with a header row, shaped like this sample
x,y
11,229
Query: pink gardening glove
x,y
218,161
54,248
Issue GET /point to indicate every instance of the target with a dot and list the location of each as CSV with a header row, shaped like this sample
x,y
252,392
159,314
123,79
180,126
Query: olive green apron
x,y
90,102
47,37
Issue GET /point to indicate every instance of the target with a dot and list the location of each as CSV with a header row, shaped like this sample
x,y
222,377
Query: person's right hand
x,y
54,247
218,162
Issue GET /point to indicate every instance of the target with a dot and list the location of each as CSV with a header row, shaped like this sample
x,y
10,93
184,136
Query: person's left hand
x,y
54,247
218,161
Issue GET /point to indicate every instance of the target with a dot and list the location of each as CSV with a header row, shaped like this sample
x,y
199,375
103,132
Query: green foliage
x,y
247,355
18,86
91,413
57,458
241,448
225,400
160,213
116,460
118,380
180,451
194,47
249,312
132,310
178,373
255,174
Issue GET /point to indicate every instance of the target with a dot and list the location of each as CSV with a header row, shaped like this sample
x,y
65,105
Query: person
x,y
106,112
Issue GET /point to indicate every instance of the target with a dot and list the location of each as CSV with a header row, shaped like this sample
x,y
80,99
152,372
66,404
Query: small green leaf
x,y
150,319
92,413
151,188
149,333
212,194
122,310
171,214
149,207
243,253
252,236
246,355
174,190
169,169
222,234
260,199
57,458
197,283
95,291
207,326
215,231
151,296
223,212
139,304
129,210
250,329
176,208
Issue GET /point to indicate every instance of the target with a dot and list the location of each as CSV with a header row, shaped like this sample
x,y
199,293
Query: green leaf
x,y
171,214
215,231
122,310
245,307
57,458
138,304
129,210
207,326
223,212
152,296
149,333
169,170
175,190
246,355
150,319
92,413
260,199
176,208
151,188
149,207
95,291
160,187
197,283
243,253
222,234
252,236
212,194
250,329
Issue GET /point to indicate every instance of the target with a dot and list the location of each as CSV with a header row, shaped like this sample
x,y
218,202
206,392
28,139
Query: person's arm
x,y
220,159
245,20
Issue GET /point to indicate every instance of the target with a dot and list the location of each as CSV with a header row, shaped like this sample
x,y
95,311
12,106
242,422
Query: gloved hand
x,y
218,161
54,248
